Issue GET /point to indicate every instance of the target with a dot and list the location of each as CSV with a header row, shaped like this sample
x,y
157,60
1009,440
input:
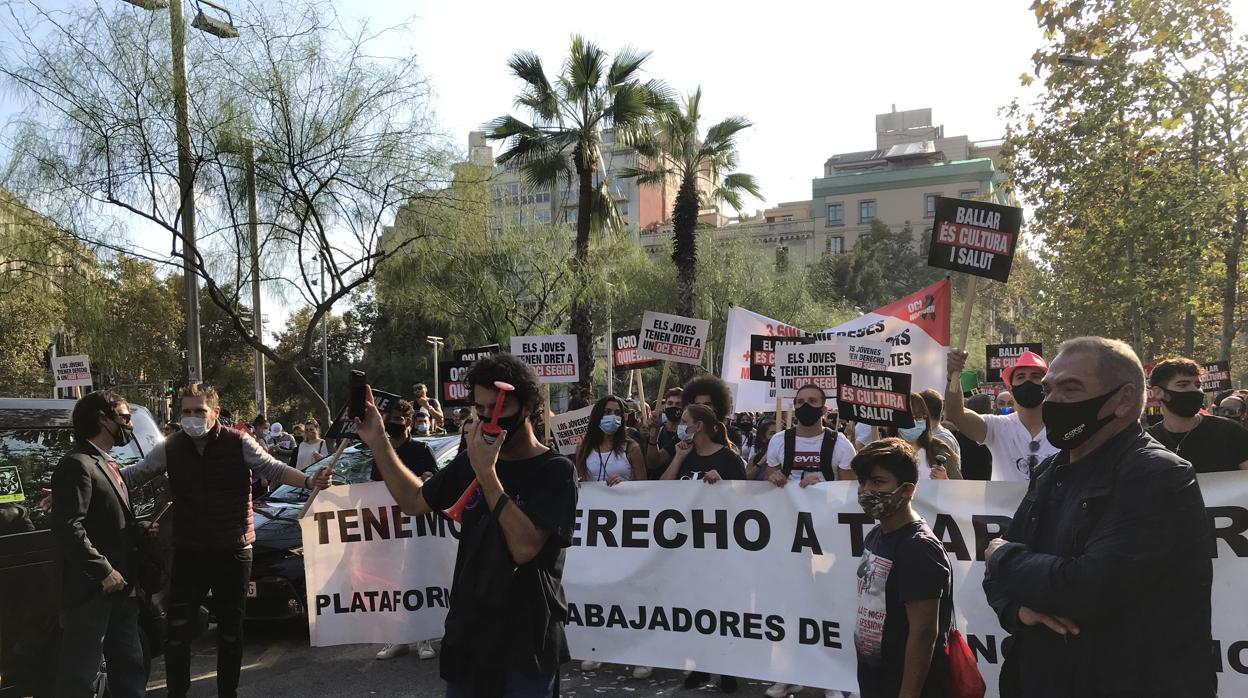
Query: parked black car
x,y
277,589
34,434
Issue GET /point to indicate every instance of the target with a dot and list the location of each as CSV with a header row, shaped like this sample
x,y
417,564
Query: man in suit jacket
x,y
90,515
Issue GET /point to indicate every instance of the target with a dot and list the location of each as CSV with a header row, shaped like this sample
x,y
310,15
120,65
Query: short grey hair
x,y
1117,363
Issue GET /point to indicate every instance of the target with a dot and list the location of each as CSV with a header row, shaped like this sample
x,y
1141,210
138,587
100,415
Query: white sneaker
x,y
391,651
590,665
642,672
425,650
781,690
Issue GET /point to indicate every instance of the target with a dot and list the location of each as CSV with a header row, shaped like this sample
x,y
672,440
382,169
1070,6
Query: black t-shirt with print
x,y
725,461
1216,445
505,617
908,564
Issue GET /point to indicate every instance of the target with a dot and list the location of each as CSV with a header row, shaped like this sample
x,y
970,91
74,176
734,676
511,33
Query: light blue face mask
x,y
682,433
610,424
912,433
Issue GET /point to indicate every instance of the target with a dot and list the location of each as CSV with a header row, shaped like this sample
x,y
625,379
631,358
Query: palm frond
x,y
604,216
741,182
538,96
627,64
645,175
724,134
583,69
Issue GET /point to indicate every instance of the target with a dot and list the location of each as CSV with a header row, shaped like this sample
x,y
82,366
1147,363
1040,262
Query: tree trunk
x,y
685,252
582,318
1230,289
310,392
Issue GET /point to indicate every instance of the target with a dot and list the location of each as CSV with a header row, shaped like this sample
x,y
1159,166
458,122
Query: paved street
x,y
278,662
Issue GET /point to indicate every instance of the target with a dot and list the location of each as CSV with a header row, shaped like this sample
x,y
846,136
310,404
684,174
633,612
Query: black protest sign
x,y
476,353
878,398
974,237
1216,377
763,354
1002,356
453,391
624,350
343,426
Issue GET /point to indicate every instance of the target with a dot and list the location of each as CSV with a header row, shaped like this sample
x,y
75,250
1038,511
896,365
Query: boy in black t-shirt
x,y
504,628
905,605
1211,444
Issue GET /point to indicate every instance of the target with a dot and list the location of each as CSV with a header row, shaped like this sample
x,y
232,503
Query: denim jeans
x,y
518,686
195,573
107,627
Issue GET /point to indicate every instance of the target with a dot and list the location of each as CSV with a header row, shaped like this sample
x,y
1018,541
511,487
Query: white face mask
x,y
195,427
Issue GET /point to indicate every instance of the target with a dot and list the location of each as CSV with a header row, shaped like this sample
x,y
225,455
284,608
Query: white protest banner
x,y
645,578
804,364
71,371
553,358
673,338
375,574
916,327
569,429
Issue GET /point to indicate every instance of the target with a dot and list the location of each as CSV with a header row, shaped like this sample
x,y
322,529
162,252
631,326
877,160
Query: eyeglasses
x,y
1028,463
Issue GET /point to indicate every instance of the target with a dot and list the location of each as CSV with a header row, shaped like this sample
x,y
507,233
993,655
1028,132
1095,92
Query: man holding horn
x,y
504,628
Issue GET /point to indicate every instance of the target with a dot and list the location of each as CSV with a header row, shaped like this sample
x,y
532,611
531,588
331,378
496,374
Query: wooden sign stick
x,y
342,446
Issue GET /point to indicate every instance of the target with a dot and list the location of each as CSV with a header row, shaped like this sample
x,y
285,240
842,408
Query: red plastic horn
x,y
490,432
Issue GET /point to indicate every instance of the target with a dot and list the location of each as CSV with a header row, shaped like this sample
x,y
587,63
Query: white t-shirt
x,y
863,433
807,450
306,450
602,466
1010,444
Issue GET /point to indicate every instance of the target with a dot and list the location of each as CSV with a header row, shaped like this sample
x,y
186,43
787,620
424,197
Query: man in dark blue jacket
x,y
1104,576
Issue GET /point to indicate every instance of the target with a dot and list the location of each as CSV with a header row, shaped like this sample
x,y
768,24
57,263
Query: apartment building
x,y
896,182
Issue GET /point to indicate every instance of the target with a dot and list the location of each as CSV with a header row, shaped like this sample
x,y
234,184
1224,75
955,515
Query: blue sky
x,y
811,76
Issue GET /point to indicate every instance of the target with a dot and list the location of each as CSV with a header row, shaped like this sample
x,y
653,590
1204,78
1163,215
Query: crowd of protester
x,y
1047,423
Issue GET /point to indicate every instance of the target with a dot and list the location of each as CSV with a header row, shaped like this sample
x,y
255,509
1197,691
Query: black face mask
x,y
808,415
1028,394
123,436
1185,404
1069,425
673,414
513,425
396,431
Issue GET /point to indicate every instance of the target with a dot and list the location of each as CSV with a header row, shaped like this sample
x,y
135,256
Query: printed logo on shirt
x,y
872,609
806,461
692,476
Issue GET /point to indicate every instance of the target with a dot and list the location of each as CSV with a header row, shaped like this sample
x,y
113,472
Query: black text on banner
x,y
553,358
763,354
673,338
974,237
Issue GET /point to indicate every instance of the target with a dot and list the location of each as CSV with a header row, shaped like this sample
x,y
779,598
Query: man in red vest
x,y
210,468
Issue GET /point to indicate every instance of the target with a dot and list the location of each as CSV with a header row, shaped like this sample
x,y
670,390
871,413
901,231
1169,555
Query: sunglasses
x,y
123,417
1028,463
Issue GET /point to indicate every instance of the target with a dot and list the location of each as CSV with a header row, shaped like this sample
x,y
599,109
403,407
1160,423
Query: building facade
x,y
895,183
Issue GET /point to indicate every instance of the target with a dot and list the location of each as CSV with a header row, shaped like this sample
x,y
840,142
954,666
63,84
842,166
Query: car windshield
x,y
32,441
355,466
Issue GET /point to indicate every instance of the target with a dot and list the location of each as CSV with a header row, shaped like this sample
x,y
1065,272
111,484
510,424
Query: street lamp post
x,y
246,148
186,172
324,338
437,382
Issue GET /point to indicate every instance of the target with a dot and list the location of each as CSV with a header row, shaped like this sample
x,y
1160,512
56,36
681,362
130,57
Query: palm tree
x,y
562,140
704,165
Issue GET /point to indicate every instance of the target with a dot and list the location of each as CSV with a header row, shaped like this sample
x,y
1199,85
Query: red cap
x,y
1028,359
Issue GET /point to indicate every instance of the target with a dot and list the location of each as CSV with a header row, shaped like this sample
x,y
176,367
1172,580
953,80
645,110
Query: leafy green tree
x,y
561,140
884,265
704,165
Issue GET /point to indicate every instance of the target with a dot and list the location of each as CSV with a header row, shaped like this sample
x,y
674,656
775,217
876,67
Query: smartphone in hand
x,y
355,405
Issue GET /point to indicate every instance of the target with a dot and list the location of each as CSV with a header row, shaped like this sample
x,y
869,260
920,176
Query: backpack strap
x,y
826,451
790,447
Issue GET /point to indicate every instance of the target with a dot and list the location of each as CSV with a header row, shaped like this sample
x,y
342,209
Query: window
x,y
866,211
836,214
623,207
834,245
542,216
967,193
782,259
929,205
